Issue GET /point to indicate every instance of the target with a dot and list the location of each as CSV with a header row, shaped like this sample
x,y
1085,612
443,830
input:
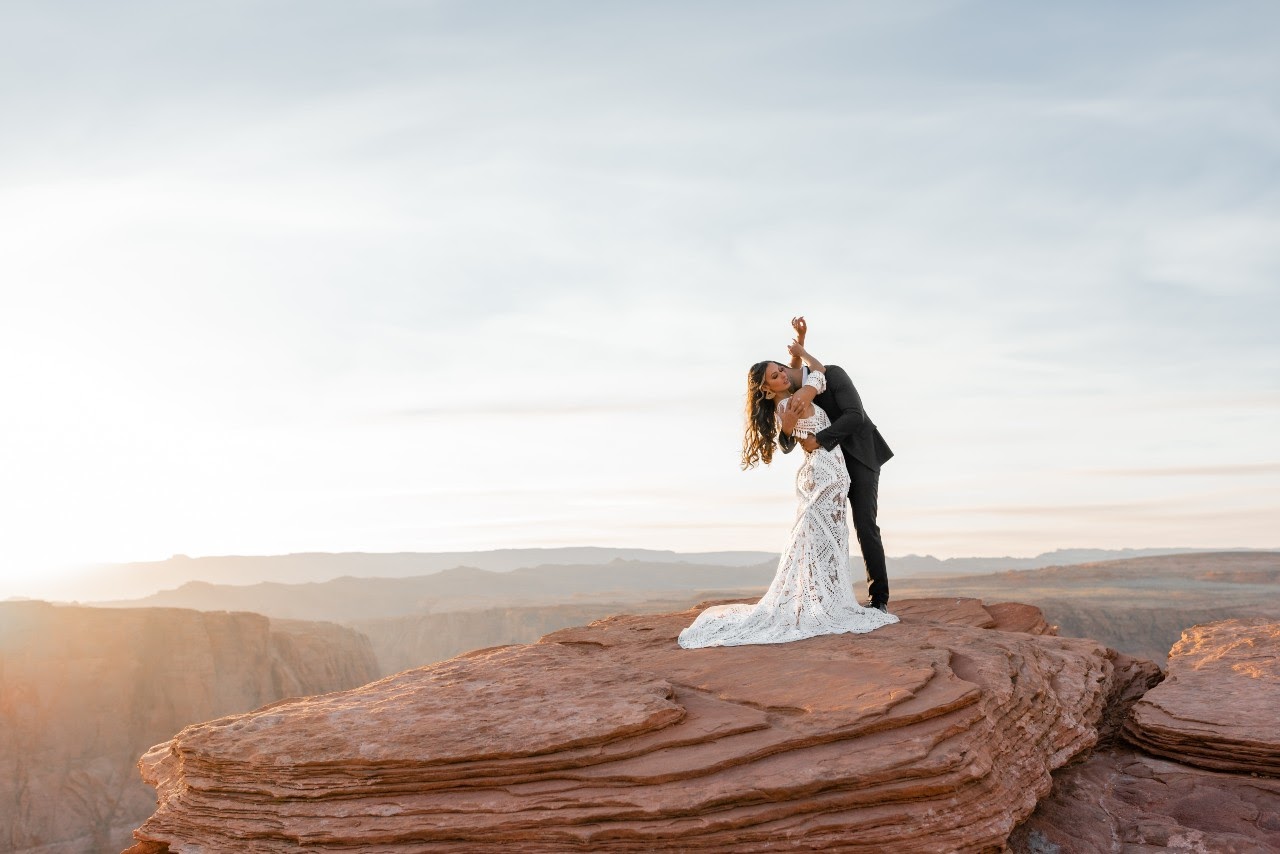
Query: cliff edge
x,y
1198,767
84,691
938,734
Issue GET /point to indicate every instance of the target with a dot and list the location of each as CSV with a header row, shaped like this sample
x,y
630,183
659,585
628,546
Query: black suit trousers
x,y
864,500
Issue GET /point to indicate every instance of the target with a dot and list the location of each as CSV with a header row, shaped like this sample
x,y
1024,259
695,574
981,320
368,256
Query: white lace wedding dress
x,y
812,592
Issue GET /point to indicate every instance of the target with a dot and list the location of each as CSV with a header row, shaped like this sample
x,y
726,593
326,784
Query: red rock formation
x,y
1016,617
1133,677
1219,708
1216,709
937,734
84,691
1120,800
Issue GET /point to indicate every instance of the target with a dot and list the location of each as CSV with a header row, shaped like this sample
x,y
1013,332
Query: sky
x,y
428,276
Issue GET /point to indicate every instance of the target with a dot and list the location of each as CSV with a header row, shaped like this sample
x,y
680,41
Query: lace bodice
x,y
818,421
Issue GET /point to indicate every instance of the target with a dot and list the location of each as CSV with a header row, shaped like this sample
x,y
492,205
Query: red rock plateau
x,y
1219,708
937,734
84,691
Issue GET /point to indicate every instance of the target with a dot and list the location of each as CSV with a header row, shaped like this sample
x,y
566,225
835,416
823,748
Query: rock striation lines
x,y
1219,708
937,734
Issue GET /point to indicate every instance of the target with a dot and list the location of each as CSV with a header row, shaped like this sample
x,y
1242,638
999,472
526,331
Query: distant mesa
x,y
351,598
1138,605
133,580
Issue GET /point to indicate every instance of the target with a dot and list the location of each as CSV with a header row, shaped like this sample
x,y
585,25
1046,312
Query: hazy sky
x,y
382,276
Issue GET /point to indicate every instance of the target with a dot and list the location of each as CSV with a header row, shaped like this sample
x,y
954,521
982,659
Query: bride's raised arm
x,y
797,406
802,329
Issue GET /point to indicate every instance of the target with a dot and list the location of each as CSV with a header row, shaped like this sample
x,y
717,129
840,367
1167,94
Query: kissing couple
x,y
815,406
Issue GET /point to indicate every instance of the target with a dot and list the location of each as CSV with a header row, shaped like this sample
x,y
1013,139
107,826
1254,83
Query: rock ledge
x,y
1218,708
936,734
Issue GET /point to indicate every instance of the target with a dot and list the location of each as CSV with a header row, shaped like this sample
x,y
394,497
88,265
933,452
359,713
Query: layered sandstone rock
x,y
84,691
936,734
1131,679
1219,707
1121,800
1216,709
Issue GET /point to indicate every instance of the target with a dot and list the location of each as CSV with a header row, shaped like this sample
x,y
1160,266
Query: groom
x,y
864,452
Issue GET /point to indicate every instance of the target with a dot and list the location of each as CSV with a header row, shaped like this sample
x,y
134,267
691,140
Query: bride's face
x,y
776,379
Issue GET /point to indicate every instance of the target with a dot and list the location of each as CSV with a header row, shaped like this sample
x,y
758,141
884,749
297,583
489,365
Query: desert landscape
x,y
964,728
86,690
1137,605
387,385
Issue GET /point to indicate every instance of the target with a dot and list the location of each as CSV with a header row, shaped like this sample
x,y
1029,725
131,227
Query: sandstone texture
x,y
937,734
1219,708
85,691
1123,801
1132,678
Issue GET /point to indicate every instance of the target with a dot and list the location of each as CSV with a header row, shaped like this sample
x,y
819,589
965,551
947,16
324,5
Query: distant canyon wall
x,y
1137,631
401,643
85,691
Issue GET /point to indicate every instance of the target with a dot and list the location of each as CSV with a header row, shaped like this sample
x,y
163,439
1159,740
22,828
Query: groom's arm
x,y
852,416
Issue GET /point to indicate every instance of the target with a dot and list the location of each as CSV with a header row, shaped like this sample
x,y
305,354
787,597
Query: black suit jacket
x,y
850,428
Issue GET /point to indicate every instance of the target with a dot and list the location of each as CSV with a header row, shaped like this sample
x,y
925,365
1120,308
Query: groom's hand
x,y
810,444
788,421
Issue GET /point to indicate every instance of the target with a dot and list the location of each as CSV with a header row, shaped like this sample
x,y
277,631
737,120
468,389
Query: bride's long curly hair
x,y
762,429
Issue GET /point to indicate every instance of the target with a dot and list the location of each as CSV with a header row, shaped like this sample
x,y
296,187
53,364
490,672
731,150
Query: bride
x,y
812,593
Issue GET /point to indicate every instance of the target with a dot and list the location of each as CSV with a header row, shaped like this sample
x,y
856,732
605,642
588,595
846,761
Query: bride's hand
x,y
796,348
801,328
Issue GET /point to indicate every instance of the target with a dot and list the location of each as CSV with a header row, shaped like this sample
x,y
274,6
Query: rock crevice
x,y
1215,713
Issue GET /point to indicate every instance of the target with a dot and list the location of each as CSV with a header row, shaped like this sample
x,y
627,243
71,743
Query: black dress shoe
x,y
879,606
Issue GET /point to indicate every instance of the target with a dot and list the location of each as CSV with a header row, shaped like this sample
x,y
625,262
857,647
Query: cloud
x,y
1237,470
567,409
1066,512
1038,236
